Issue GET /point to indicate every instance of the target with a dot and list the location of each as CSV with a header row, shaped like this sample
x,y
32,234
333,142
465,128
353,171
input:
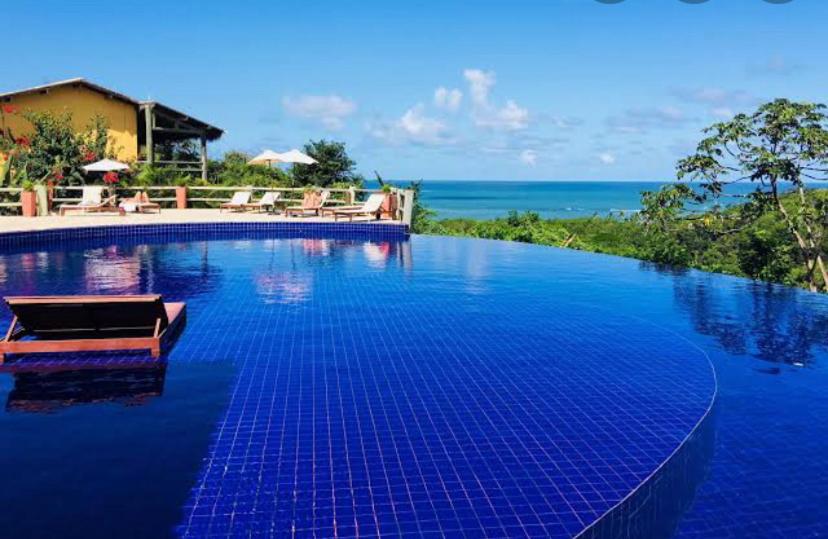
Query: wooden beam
x,y
204,156
148,133
178,130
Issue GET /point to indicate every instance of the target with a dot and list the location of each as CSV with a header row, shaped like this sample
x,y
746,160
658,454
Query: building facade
x,y
135,128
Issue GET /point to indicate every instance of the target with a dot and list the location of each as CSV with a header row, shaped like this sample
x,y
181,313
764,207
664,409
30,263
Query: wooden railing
x,y
10,200
211,196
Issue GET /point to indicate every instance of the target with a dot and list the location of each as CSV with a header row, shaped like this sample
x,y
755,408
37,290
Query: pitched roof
x,y
212,131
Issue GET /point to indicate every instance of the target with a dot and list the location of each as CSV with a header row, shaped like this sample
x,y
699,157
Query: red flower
x,y
89,156
9,109
23,141
58,176
110,178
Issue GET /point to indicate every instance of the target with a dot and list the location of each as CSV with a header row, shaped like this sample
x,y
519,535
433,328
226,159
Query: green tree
x,y
782,144
333,165
234,169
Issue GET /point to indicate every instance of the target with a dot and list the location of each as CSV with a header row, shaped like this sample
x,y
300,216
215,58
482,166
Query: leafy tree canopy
x,y
333,166
781,146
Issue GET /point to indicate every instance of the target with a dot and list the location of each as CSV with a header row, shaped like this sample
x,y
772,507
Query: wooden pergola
x,y
163,124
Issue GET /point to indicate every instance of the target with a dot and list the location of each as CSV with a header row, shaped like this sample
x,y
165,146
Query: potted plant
x,y
28,199
389,205
310,196
181,192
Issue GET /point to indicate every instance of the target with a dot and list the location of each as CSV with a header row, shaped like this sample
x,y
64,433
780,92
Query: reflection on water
x,y
114,269
289,277
111,271
49,390
283,287
770,323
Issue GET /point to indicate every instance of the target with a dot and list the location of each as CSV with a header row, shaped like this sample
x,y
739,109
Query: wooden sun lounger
x,y
141,204
268,201
105,205
90,324
371,208
238,202
311,205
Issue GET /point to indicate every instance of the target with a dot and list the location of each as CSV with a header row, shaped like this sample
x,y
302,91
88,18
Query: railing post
x,y
181,197
351,195
204,157
408,206
41,199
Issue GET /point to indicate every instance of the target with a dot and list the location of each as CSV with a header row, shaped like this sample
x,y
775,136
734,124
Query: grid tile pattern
x,y
379,394
195,231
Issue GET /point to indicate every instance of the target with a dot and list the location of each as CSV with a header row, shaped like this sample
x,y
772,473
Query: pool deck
x,y
52,222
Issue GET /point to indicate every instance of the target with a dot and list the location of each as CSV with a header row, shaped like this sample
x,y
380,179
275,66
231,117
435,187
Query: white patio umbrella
x,y
295,156
105,165
267,157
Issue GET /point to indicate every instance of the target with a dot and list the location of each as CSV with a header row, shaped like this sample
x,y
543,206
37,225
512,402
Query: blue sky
x,y
519,90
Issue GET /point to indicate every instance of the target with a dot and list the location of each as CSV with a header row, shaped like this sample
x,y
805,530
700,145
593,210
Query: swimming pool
x,y
361,383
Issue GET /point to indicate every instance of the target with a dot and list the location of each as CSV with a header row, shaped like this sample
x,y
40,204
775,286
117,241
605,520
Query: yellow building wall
x,y
84,104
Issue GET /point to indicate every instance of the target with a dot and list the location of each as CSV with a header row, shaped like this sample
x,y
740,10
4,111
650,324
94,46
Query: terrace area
x,y
193,205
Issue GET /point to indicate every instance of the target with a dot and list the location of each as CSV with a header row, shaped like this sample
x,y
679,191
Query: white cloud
x,y
447,99
480,83
419,127
640,120
671,114
606,158
714,96
529,157
413,126
330,110
511,117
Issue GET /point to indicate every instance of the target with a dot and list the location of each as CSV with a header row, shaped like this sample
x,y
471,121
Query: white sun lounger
x,y
91,201
238,202
371,208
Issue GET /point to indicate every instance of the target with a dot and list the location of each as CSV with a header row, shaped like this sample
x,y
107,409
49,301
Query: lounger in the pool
x,y
90,324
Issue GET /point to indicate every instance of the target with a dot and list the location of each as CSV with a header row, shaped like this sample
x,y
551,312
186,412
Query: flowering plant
x,y
111,178
52,147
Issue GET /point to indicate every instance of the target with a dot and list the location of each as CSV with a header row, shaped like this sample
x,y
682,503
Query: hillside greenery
x,y
777,233
763,250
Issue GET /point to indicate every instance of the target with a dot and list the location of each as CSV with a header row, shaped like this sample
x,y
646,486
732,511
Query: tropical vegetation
x,y
53,151
777,233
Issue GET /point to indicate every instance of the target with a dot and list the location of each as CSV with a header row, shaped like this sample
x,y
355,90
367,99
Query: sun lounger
x,y
268,201
238,202
90,323
371,208
92,201
311,205
140,203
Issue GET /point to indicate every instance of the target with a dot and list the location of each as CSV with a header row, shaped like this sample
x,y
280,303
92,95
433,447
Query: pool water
x,y
353,386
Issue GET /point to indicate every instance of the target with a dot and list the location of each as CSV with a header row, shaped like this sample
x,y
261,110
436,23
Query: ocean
x,y
551,199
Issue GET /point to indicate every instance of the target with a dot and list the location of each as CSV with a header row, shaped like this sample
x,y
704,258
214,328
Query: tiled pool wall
x,y
657,506
196,231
